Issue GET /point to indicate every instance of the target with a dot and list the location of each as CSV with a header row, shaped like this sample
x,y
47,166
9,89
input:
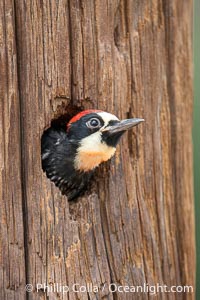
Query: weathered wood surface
x,y
135,224
12,258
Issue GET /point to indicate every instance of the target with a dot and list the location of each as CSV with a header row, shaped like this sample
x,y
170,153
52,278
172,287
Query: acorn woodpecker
x,y
70,155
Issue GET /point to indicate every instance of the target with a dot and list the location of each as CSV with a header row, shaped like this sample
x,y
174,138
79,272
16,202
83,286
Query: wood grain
x,y
135,224
12,253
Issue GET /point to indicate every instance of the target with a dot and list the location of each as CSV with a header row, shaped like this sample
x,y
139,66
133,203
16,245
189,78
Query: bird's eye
x,y
94,123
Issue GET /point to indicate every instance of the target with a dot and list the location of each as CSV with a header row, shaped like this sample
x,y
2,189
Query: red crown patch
x,y
81,114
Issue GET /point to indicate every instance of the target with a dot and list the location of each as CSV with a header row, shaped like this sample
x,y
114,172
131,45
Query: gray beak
x,y
122,125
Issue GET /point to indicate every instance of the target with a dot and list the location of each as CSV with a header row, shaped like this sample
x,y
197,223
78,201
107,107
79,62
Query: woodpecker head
x,y
96,134
70,155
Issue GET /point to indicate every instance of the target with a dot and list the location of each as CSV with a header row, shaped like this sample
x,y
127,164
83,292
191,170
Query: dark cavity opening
x,y
63,115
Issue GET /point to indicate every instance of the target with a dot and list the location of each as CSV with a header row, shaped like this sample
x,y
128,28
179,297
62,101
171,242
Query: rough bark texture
x,y
12,253
135,224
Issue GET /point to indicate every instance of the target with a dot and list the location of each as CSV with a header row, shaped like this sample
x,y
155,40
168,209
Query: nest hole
x,y
64,114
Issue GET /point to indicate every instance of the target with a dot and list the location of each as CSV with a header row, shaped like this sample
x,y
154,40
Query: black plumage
x,y
58,154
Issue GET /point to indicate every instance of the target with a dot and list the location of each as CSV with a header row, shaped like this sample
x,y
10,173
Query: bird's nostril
x,y
113,122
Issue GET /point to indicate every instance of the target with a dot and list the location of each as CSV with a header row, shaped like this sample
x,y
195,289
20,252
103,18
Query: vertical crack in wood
x,y
106,241
22,167
83,52
71,50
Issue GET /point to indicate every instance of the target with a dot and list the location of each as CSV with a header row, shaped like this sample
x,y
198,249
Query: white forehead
x,y
107,117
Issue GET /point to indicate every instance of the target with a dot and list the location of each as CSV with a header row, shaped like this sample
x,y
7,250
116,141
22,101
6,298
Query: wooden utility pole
x,y
135,225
